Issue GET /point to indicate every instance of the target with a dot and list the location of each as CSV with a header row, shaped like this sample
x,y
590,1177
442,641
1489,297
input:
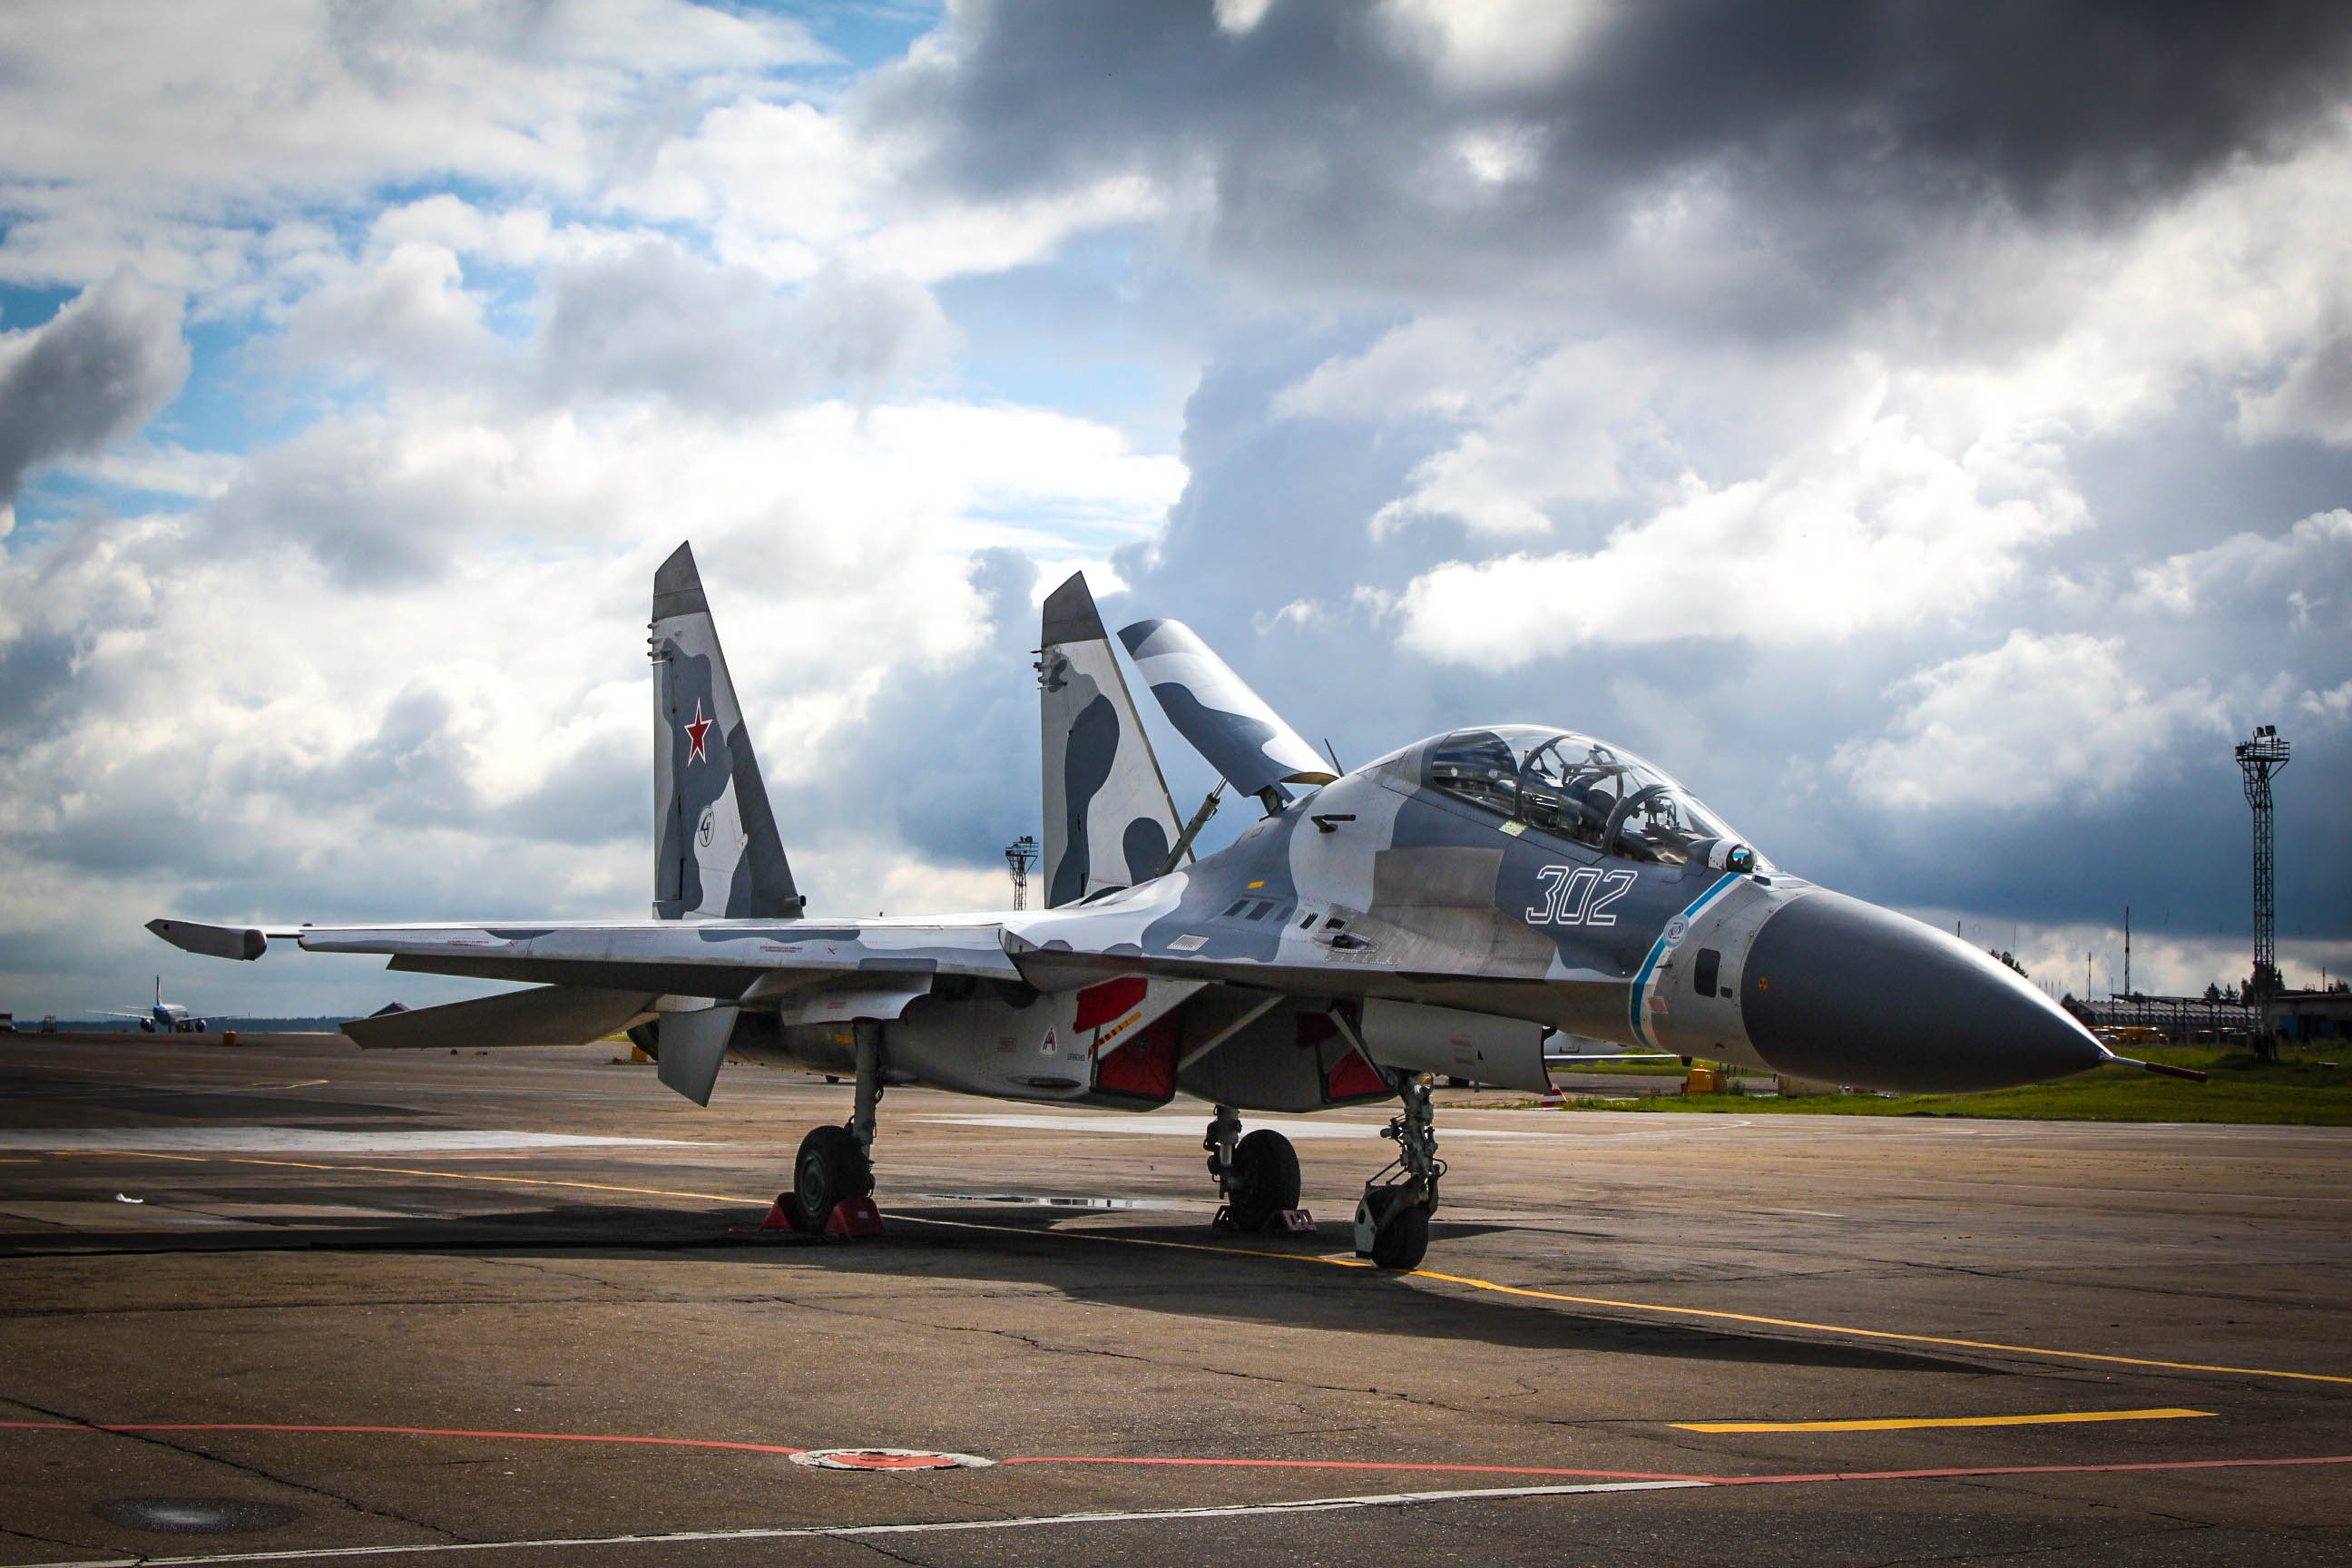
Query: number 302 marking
x,y
1569,897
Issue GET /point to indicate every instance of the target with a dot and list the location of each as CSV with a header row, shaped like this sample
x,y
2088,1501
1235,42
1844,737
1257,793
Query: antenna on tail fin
x,y
716,849
1109,820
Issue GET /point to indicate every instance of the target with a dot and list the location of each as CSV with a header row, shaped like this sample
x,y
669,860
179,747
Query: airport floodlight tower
x,y
2260,759
1019,855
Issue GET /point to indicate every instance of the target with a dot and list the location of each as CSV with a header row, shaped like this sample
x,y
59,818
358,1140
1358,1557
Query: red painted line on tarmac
x,y
391,1431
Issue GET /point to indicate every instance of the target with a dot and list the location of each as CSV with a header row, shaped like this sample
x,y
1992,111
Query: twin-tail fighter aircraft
x,y
1438,912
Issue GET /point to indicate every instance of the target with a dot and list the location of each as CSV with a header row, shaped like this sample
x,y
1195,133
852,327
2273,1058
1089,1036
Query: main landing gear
x,y
1257,1175
832,1176
1392,1220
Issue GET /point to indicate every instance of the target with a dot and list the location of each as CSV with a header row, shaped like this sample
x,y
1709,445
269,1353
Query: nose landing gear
x,y
1392,1220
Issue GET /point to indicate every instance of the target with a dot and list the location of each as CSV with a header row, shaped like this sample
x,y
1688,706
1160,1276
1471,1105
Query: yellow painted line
x,y
2058,1418
1711,1314
519,1181
1877,1333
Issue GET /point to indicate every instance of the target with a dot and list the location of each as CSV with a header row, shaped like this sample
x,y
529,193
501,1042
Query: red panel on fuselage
x,y
1110,1001
1143,1066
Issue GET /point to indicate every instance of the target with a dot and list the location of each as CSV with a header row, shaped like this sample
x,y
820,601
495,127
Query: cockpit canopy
x,y
1574,788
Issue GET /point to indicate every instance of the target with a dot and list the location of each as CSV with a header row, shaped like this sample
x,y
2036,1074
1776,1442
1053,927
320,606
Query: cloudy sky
x,y
1926,430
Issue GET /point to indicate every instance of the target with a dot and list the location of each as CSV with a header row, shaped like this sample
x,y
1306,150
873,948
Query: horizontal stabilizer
x,y
1228,724
211,942
549,1015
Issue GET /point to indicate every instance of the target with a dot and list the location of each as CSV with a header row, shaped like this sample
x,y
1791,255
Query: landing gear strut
x,y
1257,1175
1392,1220
835,1164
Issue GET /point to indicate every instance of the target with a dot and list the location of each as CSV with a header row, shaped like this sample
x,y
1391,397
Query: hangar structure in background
x,y
1439,912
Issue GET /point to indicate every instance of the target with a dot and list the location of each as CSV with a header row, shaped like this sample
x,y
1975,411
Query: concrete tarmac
x,y
300,1304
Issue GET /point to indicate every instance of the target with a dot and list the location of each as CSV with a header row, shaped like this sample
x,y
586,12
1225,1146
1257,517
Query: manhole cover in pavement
x,y
889,1459
196,1515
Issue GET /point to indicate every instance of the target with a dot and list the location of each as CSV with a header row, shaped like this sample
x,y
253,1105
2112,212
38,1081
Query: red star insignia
x,y
695,731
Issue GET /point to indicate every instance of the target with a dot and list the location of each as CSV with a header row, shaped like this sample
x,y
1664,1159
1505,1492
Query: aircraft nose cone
x,y
1844,991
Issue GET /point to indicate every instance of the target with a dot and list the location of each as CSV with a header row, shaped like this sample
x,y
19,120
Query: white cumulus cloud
x,y
1880,529
2036,722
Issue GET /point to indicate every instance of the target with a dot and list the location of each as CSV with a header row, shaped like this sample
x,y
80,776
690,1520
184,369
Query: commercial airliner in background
x,y
1439,912
168,1017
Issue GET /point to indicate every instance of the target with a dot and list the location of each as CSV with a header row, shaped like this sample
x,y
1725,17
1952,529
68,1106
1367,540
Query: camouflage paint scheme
x,y
1214,710
718,851
1109,820
1438,911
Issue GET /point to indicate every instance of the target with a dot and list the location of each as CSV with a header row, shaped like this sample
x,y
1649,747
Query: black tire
x,y
646,1037
1264,1179
830,1168
1402,1239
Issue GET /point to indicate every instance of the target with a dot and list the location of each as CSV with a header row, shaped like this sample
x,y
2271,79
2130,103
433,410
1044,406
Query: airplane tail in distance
x,y
716,852
1109,820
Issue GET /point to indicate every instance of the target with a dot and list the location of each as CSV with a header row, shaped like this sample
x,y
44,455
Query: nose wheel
x,y
1393,1219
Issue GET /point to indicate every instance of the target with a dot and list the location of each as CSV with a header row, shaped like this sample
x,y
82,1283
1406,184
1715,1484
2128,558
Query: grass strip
x,y
2296,1092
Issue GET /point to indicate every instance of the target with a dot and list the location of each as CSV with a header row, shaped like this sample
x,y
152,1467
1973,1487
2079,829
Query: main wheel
x,y
1402,1239
831,1167
1264,1179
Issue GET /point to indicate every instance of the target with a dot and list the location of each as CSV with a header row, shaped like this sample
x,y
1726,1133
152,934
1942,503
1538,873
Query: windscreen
x,y
1575,787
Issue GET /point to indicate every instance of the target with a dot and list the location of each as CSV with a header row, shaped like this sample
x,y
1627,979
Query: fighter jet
x,y
1439,912
168,1017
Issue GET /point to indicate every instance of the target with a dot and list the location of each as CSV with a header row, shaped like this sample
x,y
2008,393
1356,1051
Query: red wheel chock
x,y
851,1216
854,1216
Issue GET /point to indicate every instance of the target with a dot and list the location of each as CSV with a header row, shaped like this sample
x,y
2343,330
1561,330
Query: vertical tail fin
x,y
1109,820
716,852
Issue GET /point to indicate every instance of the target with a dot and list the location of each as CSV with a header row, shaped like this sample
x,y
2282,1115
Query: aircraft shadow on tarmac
x,y
1019,1248
56,1091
